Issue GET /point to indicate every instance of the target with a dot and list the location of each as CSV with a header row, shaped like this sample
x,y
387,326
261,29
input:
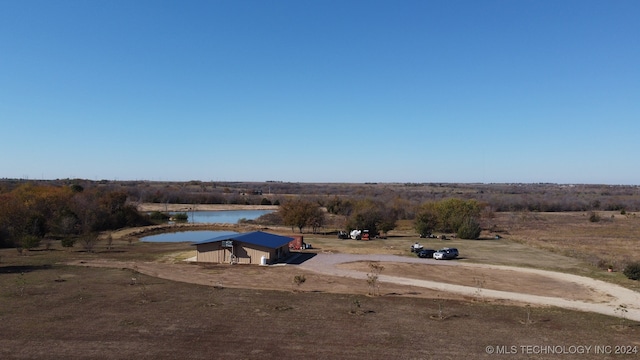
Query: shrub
x,y
159,216
265,201
29,242
68,242
181,217
299,280
470,229
594,217
632,270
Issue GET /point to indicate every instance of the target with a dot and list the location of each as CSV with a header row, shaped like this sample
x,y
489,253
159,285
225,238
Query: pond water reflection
x,y
224,216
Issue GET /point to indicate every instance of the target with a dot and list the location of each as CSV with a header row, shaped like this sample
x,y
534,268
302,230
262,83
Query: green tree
x,y
426,220
300,213
447,215
470,229
373,216
453,212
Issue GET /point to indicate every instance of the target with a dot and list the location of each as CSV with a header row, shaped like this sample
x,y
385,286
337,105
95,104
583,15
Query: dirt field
x,y
75,312
58,311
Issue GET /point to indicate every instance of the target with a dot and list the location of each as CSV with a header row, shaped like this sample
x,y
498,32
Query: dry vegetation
x,y
611,242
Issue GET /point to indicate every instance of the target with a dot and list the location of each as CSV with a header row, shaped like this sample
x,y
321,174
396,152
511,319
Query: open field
x,y
613,240
58,312
54,310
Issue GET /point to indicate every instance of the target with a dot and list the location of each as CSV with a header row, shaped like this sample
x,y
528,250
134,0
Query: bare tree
x,y
89,241
372,278
299,280
109,241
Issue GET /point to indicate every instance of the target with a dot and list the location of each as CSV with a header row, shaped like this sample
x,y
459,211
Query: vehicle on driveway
x,y
446,254
426,253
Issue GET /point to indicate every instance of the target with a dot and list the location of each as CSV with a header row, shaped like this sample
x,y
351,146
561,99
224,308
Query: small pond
x,y
224,216
186,236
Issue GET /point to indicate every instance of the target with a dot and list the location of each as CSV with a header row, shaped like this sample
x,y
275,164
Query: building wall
x,y
212,253
245,253
250,254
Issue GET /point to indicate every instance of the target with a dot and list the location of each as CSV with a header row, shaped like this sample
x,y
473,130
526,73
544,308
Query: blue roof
x,y
256,238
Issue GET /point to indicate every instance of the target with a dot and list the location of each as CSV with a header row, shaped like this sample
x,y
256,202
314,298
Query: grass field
x,y
55,311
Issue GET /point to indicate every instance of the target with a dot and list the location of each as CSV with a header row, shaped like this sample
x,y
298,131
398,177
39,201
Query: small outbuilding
x,y
248,248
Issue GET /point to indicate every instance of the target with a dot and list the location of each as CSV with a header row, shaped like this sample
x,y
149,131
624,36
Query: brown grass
x,y
62,312
614,240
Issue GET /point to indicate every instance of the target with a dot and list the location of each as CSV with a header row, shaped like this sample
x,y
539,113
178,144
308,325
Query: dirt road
x,y
608,299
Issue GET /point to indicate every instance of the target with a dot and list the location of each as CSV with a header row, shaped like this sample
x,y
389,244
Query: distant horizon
x,y
377,91
318,182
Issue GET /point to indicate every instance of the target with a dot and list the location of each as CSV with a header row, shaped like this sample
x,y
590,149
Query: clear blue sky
x,y
321,91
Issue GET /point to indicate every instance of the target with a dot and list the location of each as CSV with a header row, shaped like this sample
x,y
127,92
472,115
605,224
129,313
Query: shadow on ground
x,y
298,258
22,269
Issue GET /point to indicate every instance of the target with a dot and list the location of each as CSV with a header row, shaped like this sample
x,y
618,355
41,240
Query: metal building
x,y
249,248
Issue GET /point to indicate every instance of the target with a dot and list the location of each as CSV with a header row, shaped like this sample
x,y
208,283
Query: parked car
x,y
454,251
446,254
441,255
416,247
426,253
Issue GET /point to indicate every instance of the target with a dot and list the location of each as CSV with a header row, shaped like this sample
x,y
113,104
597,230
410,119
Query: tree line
x,y
30,212
500,197
450,215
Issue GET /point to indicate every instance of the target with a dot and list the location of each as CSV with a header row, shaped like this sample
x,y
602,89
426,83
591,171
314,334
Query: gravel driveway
x,y
327,264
